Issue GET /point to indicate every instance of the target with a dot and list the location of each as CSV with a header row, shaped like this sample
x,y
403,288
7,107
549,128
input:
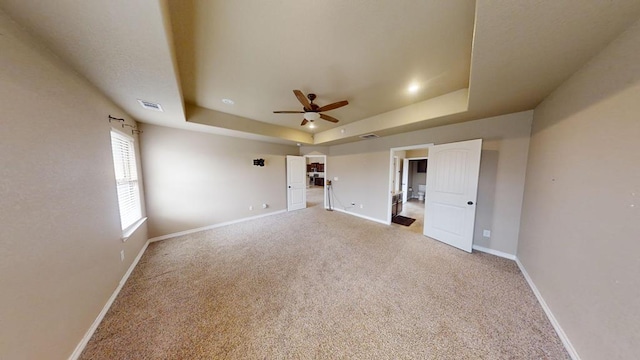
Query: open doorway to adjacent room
x,y
316,186
407,186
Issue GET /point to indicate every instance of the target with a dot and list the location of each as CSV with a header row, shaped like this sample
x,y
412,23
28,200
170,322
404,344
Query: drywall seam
x,y
87,336
556,325
209,227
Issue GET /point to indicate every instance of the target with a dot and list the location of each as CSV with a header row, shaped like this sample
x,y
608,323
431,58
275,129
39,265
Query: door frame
x,y
391,173
324,199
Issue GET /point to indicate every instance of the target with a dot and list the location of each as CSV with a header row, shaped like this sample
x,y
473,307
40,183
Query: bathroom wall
x,y
417,178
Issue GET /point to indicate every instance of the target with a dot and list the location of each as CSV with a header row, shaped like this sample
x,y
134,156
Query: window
x,y
124,162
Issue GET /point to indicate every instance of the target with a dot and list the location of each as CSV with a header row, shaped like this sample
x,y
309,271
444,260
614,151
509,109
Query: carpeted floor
x,y
315,284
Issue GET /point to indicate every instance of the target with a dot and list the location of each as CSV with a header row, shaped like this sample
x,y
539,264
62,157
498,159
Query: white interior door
x,y
296,182
405,179
452,188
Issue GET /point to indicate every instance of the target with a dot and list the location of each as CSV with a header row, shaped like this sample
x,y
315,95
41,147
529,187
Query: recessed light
x,y
413,88
228,101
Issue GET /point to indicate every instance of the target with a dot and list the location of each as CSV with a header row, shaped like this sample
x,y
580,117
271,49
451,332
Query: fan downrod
x,y
312,97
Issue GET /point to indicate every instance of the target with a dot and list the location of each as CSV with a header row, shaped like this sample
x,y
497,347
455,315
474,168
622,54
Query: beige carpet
x,y
315,284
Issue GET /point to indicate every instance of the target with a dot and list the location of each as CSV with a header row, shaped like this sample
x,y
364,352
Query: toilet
x,y
421,190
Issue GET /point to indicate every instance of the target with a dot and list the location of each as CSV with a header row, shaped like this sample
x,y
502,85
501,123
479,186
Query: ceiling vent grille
x,y
150,106
369,136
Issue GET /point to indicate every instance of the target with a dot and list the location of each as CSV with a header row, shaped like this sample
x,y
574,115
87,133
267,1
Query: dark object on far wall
x,y
258,162
422,166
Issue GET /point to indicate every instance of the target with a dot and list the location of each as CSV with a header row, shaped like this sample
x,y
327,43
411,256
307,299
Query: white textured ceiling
x,y
472,58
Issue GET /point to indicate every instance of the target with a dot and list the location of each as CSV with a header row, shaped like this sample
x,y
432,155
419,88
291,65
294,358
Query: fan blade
x,y
303,99
304,122
328,118
335,105
288,112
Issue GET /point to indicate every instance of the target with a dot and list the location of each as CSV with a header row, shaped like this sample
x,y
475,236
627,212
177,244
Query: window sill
x,y
132,229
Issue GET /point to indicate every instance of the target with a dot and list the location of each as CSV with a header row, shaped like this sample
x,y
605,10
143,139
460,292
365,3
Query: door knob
x,y
469,202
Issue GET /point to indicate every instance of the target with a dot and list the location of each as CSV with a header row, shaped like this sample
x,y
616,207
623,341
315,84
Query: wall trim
x,y
494,252
209,227
554,322
87,336
361,216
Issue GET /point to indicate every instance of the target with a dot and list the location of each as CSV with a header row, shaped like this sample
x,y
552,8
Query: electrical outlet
x,y
335,178
264,206
250,207
121,255
361,206
486,233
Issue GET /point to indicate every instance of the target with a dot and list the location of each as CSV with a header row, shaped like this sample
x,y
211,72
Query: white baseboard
x,y
209,227
494,252
361,216
561,334
87,336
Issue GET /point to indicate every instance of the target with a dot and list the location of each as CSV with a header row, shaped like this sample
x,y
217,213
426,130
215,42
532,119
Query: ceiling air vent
x,y
368,136
150,106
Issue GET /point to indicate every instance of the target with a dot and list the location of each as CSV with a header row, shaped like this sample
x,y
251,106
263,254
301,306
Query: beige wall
x,y
196,179
59,224
314,150
416,178
363,172
580,236
418,153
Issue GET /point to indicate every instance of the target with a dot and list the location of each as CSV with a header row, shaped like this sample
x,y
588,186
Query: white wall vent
x,y
150,106
368,136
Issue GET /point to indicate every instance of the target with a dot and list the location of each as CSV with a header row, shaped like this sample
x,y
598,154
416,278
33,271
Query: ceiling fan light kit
x,y
311,116
312,112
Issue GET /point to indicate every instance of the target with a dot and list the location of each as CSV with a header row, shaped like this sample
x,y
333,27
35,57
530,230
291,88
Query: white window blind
x,y
124,162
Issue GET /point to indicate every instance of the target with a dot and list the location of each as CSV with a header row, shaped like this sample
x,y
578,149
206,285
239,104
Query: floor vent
x,y
368,136
150,106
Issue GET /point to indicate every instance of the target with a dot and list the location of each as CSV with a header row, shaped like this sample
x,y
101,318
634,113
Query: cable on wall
x,y
331,191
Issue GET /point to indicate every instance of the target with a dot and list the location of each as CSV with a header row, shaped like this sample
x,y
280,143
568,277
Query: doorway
x,y
316,170
407,184
450,194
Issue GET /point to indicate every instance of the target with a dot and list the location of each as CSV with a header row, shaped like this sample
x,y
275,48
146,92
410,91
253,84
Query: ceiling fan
x,y
312,111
